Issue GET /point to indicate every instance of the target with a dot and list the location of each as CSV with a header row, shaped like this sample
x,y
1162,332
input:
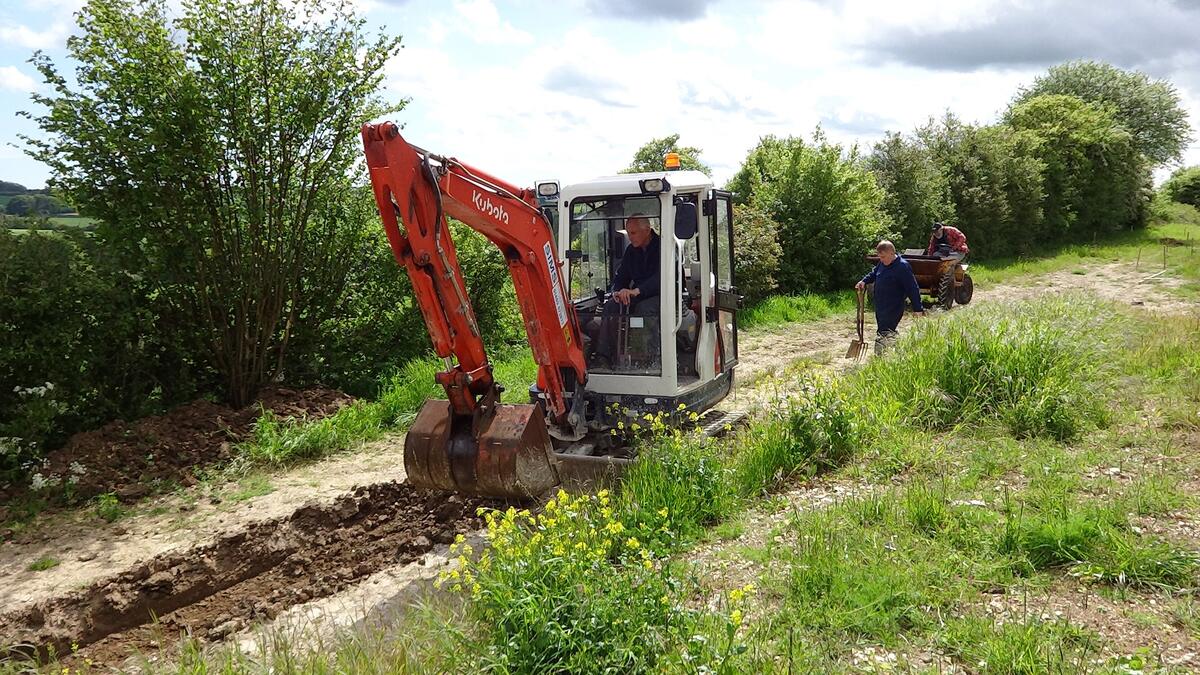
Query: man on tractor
x,y
947,242
894,281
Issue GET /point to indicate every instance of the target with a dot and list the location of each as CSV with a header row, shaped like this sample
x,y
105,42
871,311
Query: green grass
x,y
1143,245
781,310
108,508
42,564
278,442
251,487
73,221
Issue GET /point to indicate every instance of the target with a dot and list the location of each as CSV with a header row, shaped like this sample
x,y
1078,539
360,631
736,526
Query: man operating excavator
x,y
635,285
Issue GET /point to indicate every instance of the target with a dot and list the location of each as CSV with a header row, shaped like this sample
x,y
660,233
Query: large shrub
x,y
219,146
1094,177
763,166
756,244
995,180
827,204
81,342
1150,110
1184,186
378,328
916,192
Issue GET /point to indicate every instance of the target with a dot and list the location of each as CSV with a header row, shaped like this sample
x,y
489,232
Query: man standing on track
x,y
894,281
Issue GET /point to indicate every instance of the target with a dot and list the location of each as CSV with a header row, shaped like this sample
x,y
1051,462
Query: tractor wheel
x,y
945,290
966,289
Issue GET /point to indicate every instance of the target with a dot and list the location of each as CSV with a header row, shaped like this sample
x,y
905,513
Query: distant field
x,y
74,221
4,201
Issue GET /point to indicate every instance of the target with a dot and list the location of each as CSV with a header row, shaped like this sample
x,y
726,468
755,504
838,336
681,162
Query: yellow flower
x,y
648,564
633,543
736,617
663,512
602,494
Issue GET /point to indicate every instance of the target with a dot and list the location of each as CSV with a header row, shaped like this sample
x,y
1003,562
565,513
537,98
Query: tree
x,y
827,204
756,243
995,179
219,150
1093,175
916,193
36,205
763,165
1184,186
649,157
1149,109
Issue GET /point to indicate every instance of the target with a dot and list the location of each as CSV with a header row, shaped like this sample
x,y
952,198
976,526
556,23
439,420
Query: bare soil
x,y
131,458
215,590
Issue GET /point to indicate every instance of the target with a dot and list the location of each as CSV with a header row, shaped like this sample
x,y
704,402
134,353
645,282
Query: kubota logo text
x,y
485,206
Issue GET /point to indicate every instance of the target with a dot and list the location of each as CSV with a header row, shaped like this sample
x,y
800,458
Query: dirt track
x,y
212,570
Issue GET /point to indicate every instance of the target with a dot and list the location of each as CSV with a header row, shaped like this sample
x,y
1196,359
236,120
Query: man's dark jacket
x,y
893,283
639,269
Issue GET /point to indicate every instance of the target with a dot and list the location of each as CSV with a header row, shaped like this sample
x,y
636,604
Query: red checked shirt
x,y
952,236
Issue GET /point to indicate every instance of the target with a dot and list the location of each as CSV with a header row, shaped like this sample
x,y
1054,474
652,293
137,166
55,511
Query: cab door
x,y
723,311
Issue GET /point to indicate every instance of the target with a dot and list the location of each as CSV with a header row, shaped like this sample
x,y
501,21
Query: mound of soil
x,y
133,458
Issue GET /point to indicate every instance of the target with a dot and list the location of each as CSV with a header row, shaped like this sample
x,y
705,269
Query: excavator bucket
x,y
512,457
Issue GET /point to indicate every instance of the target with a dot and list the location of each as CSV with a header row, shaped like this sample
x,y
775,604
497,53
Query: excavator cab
x,y
674,352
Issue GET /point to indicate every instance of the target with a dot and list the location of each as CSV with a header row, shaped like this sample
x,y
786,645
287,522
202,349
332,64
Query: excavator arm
x,y
472,442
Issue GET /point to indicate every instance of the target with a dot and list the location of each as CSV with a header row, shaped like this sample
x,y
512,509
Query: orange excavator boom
x,y
473,443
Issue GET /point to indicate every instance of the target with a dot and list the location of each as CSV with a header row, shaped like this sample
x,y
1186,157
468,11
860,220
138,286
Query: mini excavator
x,y
673,356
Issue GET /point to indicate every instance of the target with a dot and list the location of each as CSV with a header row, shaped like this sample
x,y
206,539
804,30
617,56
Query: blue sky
x,y
528,89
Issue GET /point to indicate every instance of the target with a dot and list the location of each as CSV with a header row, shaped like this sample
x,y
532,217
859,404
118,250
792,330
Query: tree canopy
x,y
649,157
1149,109
218,149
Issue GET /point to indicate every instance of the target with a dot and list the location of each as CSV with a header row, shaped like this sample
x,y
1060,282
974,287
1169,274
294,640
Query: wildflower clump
x,y
569,586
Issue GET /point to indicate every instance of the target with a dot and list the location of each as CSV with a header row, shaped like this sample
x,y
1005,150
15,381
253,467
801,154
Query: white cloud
x,y
482,23
11,78
18,35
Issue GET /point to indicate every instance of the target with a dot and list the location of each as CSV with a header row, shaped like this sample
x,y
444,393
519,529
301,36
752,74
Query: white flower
x,y
77,469
37,482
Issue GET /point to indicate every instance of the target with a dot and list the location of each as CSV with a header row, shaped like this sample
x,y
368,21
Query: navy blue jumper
x,y
892,284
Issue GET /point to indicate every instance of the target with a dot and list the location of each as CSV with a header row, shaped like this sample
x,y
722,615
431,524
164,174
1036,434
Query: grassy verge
x,y
781,310
991,425
1144,245
280,442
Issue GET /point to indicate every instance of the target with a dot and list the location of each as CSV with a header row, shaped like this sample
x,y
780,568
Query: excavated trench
x,y
212,591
